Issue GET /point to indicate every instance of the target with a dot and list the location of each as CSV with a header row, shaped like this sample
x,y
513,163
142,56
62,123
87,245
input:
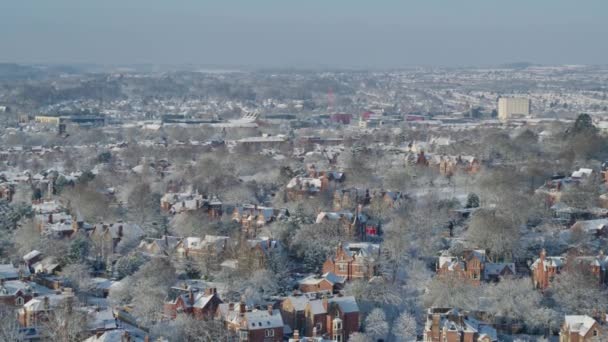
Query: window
x,y
319,326
243,335
269,333
19,301
594,332
338,338
342,267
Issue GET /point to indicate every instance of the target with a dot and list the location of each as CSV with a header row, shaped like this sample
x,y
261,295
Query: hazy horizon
x,y
310,34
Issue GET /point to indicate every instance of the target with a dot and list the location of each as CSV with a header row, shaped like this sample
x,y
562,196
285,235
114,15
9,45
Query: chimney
x,y
120,231
543,253
325,303
270,309
435,326
47,305
231,307
191,296
242,308
146,338
296,336
50,219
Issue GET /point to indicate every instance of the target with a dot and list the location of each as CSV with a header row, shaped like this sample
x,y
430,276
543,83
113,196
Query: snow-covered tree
x,y
376,325
404,327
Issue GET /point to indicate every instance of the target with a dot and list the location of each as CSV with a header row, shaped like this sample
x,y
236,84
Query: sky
x,y
304,33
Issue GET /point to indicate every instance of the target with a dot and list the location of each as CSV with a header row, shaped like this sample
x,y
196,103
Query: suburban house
x,y
352,198
352,224
334,318
591,228
328,283
15,293
253,217
191,301
348,199
106,236
37,309
258,251
176,203
451,325
449,165
580,328
353,260
163,246
32,257
300,187
252,325
473,266
546,267
211,245
9,272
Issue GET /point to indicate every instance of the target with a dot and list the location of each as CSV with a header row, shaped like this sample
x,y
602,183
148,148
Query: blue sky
x,y
308,33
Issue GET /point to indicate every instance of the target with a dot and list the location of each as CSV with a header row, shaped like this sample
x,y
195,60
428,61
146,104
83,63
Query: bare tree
x,y
66,323
9,326
490,230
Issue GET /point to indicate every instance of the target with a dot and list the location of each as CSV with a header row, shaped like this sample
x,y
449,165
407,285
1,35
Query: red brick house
x,y
252,325
334,318
15,293
328,283
545,268
354,260
37,309
252,217
451,325
201,305
474,266
352,224
580,328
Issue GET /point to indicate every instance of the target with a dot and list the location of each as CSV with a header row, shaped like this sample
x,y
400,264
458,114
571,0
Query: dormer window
x,y
19,301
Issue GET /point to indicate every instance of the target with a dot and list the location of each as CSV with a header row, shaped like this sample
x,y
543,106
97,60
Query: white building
x,y
510,106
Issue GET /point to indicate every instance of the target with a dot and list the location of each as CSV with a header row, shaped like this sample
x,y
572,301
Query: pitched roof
x,y
550,261
579,323
8,271
347,303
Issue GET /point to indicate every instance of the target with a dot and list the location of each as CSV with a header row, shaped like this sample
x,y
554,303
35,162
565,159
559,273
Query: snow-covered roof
x,y
31,255
8,271
262,319
347,303
579,323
